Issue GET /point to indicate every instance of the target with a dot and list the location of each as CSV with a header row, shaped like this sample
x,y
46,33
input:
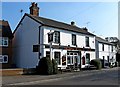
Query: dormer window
x,y
3,41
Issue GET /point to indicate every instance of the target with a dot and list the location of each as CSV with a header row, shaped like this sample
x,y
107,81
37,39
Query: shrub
x,y
116,64
55,68
97,63
45,66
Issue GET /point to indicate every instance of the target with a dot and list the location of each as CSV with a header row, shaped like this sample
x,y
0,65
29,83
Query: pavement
x,y
34,79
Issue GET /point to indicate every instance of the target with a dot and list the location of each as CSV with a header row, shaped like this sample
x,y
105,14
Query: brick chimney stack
x,y
34,10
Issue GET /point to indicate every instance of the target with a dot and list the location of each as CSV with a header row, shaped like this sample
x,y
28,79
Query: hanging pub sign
x,y
36,48
50,37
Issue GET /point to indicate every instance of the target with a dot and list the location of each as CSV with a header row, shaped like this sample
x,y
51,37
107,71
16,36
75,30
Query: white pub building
x,y
66,43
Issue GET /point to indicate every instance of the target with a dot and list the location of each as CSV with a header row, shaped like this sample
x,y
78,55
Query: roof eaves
x,y
45,24
34,18
19,23
87,33
22,20
99,39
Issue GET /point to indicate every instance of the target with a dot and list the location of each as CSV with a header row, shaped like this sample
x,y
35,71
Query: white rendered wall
x,y
107,51
119,20
24,38
66,38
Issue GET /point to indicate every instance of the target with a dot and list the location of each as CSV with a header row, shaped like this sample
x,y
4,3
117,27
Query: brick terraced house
x,y
5,45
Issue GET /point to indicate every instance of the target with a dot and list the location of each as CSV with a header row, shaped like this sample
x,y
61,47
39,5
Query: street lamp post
x,y
51,50
50,37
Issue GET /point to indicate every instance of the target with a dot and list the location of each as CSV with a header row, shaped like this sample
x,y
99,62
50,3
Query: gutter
x,y
39,41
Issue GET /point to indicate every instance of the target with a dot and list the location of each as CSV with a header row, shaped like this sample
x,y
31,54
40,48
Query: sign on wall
x,y
36,48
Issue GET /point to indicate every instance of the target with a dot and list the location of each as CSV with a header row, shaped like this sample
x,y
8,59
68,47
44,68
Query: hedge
x,y
55,67
97,63
47,66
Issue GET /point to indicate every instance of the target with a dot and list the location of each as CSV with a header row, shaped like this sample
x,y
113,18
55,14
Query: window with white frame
x,y
111,48
57,56
73,39
3,41
87,41
3,58
102,47
56,37
87,58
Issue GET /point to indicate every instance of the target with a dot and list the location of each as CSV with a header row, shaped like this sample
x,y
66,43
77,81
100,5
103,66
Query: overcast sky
x,y
101,18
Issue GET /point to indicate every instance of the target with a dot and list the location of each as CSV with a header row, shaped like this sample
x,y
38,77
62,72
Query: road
x,y
102,77
107,78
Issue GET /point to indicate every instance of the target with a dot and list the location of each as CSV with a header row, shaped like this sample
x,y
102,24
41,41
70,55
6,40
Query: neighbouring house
x,y
116,42
118,57
106,51
36,37
5,45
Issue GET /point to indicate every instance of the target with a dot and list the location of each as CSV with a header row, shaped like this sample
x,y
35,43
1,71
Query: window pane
x,y
87,41
57,57
71,59
0,41
73,39
48,54
112,48
5,41
57,37
50,37
83,60
63,60
68,59
1,60
87,58
102,47
75,53
5,59
71,53
76,59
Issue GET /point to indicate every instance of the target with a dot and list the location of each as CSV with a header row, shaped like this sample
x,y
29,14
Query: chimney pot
x,y
73,23
85,29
